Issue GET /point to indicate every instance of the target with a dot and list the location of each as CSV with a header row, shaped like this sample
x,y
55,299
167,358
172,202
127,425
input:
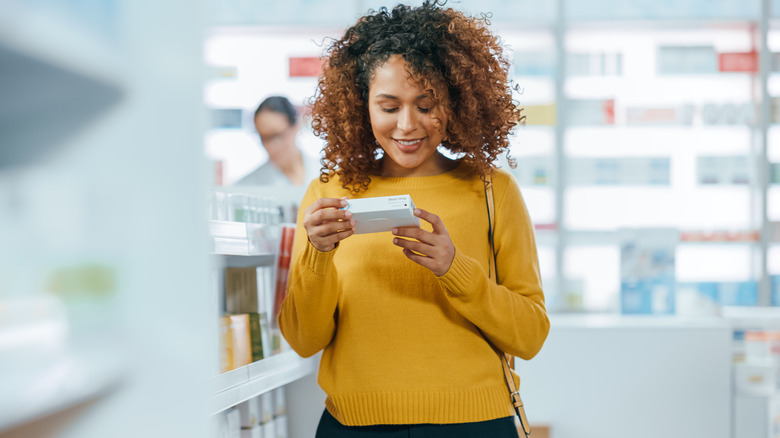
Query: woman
x,y
399,316
276,123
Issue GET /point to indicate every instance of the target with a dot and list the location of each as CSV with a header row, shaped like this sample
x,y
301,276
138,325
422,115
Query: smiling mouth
x,y
408,142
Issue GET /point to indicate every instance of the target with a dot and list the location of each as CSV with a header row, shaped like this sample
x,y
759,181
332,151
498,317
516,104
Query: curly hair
x,y
454,58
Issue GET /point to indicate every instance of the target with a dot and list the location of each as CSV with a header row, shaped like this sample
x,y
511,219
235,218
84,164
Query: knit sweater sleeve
x,y
307,317
511,314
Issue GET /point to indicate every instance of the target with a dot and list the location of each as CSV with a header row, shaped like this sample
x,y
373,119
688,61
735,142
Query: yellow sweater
x,y
400,344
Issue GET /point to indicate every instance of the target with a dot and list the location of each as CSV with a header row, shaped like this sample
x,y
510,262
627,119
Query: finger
x,y
413,233
330,228
435,221
330,215
418,247
326,203
338,237
419,259
329,243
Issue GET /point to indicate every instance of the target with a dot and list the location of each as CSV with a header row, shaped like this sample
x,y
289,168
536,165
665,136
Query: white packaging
x,y
255,432
269,429
233,423
755,379
280,404
374,215
267,407
250,413
281,426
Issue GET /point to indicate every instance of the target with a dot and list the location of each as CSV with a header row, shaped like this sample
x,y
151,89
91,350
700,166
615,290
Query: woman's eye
x,y
423,110
389,110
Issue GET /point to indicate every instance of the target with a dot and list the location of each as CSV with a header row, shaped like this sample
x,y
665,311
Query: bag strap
x,y
507,362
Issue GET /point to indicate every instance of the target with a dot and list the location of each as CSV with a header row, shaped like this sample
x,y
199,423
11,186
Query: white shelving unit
x,y
249,381
251,245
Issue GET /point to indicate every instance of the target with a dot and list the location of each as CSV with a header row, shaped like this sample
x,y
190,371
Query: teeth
x,y
408,143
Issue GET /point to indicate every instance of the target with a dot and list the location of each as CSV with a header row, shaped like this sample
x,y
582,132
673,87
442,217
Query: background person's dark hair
x,y
278,104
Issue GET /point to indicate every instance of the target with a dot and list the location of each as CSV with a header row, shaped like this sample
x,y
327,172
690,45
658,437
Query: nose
x,y
406,120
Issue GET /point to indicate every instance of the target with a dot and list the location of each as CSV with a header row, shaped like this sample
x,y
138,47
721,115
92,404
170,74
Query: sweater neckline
x,y
460,172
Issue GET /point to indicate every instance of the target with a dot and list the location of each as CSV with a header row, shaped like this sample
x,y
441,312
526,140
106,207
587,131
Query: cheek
x,y
381,125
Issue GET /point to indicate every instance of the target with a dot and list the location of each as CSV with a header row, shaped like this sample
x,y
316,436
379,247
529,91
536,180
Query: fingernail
x,y
343,202
352,222
395,241
348,214
395,230
416,211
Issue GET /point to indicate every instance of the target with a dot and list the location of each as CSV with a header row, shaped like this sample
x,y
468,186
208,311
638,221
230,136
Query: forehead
x,y
270,122
393,78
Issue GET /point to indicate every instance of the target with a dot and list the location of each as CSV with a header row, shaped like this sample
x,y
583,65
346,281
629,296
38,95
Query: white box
x,y
233,423
281,426
374,215
255,432
269,429
266,407
280,404
755,379
250,413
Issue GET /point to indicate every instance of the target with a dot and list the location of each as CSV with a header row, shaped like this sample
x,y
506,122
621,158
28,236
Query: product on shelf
x,y
285,252
280,402
730,170
745,62
235,342
241,293
280,424
251,412
675,60
647,271
232,424
266,407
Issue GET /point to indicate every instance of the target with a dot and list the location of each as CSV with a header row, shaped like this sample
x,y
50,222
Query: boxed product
x,y
269,429
233,423
266,407
374,215
256,335
241,290
255,432
251,412
235,342
280,403
281,426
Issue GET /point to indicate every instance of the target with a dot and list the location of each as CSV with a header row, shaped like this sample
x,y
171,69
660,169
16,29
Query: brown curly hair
x,y
453,57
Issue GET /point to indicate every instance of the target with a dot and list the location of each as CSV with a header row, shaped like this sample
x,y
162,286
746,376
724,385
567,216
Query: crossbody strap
x,y
507,362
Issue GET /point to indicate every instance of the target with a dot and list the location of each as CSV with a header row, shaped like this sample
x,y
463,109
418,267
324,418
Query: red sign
x,y
305,67
738,62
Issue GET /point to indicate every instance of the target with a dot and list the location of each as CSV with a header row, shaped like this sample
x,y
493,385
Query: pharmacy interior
x,y
139,279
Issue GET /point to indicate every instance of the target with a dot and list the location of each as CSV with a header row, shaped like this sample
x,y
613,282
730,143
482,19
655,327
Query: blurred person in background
x,y
276,122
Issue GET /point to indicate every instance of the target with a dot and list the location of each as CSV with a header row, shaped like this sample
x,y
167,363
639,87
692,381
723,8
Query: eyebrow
x,y
390,96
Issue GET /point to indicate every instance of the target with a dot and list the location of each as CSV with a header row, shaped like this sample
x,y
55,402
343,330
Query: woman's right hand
x,y
326,225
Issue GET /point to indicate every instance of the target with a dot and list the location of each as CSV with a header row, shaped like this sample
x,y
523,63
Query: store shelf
x,y
244,239
241,384
45,385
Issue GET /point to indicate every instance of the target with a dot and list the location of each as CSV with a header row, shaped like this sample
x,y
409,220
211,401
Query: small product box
x,y
267,407
233,423
255,432
251,412
280,403
374,215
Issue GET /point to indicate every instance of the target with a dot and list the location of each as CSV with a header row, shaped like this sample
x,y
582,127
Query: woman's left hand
x,y
435,250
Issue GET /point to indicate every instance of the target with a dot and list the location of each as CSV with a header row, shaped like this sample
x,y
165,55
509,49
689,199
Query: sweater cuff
x,y
459,278
317,261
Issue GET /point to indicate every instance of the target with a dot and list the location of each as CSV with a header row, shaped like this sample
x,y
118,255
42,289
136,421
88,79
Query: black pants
x,y
499,428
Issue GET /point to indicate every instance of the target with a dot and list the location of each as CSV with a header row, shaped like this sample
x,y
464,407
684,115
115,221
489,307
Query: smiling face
x,y
406,122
